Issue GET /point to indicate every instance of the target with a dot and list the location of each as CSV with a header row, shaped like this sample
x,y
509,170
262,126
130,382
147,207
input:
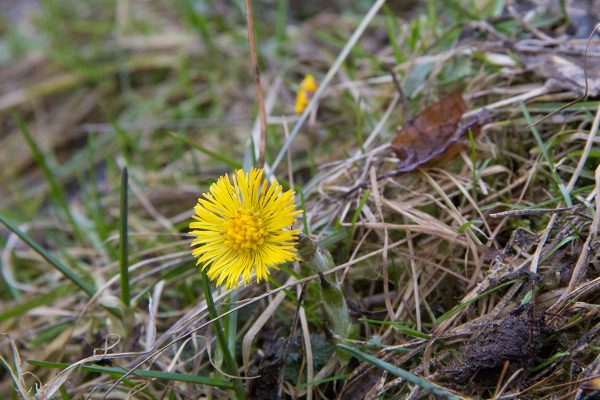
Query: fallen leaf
x,y
436,131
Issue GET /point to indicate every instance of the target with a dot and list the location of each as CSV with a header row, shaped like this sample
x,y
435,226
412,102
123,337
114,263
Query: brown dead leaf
x,y
434,132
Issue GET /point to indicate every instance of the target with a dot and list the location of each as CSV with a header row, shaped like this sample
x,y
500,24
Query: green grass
x,y
53,261
123,241
116,116
164,376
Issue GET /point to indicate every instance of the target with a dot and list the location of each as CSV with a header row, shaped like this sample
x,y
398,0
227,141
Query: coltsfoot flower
x,y
242,225
307,89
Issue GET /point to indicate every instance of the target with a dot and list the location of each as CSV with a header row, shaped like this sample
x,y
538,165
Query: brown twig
x,y
259,92
403,103
535,211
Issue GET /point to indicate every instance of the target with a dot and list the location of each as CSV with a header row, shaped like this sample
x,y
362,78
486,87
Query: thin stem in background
x,y
262,113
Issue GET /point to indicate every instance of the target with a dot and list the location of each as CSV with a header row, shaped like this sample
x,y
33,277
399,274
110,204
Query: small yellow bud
x,y
307,89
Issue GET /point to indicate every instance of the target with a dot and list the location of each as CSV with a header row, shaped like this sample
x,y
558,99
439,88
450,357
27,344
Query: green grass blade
x,y
432,16
66,271
14,293
55,189
461,306
355,216
538,138
398,326
324,380
123,247
391,27
300,192
47,335
13,375
281,21
474,176
197,20
558,246
37,301
96,210
232,320
409,377
228,360
220,157
169,376
551,360
64,393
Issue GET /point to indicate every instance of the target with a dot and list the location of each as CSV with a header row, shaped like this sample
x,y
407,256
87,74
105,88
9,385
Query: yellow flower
x,y
308,87
241,225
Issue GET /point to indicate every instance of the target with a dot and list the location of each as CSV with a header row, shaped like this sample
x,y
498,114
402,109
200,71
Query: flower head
x,y
307,89
241,225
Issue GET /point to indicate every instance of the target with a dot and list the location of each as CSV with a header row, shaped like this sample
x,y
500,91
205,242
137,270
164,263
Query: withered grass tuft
x,y
474,276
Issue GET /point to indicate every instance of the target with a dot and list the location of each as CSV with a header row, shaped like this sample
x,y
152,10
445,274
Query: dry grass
x,y
479,273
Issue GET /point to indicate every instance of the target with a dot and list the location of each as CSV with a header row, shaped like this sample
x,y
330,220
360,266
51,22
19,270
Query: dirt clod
x,y
516,339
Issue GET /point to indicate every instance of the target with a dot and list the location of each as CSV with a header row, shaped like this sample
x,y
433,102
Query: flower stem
x,y
318,260
230,364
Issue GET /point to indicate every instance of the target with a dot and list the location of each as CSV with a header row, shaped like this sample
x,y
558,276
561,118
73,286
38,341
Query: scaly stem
x,y
318,260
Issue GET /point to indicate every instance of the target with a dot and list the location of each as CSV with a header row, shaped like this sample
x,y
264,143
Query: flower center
x,y
245,231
